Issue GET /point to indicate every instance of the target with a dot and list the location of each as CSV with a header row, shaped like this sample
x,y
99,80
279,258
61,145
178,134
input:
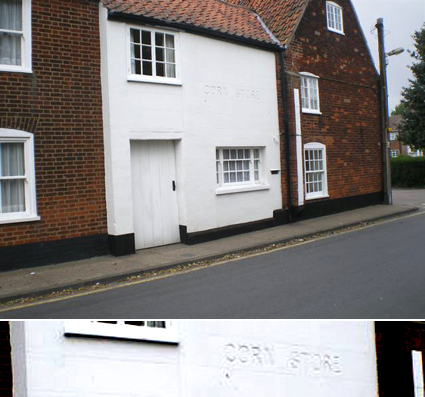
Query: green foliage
x,y
408,171
398,110
412,126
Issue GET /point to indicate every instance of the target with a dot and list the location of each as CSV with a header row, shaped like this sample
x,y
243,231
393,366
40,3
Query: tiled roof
x,y
280,16
214,15
395,121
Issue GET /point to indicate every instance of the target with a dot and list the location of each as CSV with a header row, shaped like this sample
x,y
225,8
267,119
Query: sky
x,y
401,19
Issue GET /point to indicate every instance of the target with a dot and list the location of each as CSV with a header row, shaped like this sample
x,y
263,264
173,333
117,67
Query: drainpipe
x,y
287,131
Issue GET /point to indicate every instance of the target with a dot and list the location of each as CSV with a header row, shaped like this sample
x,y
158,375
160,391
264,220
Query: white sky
x,y
401,19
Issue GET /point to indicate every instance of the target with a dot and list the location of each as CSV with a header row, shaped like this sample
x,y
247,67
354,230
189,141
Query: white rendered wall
x,y
212,359
228,97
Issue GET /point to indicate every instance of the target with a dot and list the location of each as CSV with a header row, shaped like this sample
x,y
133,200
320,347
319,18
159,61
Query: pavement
x,y
44,280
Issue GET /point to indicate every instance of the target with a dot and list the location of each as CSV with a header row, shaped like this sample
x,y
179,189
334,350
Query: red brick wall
x,y
5,361
61,103
349,101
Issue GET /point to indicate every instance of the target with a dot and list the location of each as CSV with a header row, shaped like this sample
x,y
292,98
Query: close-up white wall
x,y
211,358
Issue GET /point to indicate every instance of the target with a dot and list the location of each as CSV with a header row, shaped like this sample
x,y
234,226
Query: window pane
x,y
156,324
136,323
10,49
146,37
147,68
171,70
160,69
135,35
12,159
12,196
169,40
159,52
159,39
135,51
240,153
226,154
170,56
233,153
135,67
256,175
240,176
226,178
11,15
147,52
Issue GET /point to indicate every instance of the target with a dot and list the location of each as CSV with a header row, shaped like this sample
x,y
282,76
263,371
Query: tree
x,y
412,126
397,110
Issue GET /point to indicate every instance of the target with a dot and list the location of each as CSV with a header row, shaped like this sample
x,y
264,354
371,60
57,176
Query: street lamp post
x,y
388,199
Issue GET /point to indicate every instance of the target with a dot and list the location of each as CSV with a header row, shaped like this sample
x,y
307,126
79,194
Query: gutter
x,y
287,132
123,17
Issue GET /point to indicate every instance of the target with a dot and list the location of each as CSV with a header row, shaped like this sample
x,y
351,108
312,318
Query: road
x,y
372,273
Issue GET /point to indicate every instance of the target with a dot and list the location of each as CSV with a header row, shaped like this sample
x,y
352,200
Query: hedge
x,y
408,171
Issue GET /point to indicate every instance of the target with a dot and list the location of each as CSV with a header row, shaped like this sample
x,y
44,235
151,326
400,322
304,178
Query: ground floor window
x,y
395,153
238,166
315,170
155,331
17,181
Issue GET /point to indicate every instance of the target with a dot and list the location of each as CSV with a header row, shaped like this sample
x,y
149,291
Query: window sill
x,y
109,331
139,79
240,189
336,31
310,111
15,69
307,198
19,219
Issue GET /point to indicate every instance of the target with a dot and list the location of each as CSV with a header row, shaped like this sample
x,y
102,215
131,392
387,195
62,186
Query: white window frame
x,y
30,214
334,9
246,186
324,192
394,152
393,136
26,46
93,328
310,79
154,79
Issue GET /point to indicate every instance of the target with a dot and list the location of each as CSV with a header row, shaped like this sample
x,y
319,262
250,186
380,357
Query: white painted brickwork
x,y
228,98
212,359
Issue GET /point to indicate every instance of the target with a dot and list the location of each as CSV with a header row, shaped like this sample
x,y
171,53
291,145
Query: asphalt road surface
x,y
372,273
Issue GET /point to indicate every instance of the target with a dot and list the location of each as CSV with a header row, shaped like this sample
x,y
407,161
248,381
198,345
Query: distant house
x,y
211,358
396,146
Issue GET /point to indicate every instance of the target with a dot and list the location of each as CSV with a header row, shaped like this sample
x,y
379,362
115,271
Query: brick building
x,y
265,112
52,185
332,113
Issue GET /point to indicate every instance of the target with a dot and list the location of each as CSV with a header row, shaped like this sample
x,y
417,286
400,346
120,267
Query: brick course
x,y
349,101
60,102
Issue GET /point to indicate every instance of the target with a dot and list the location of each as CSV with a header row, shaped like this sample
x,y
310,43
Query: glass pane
x,y
11,15
246,165
232,165
147,68
12,159
147,52
239,165
170,56
146,37
240,177
256,176
171,70
156,324
256,153
135,51
135,67
217,154
233,153
136,323
226,154
135,35
10,49
12,196
159,52
160,69
169,41
232,177
226,166
226,178
159,39
240,153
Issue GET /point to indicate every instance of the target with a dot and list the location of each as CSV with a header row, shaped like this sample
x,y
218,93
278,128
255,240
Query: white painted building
x,y
191,132
194,359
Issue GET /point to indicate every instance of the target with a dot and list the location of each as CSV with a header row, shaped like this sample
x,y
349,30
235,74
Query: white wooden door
x,y
155,212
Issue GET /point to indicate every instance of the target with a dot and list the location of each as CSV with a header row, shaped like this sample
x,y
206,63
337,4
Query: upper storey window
x,y
334,17
153,56
15,35
309,93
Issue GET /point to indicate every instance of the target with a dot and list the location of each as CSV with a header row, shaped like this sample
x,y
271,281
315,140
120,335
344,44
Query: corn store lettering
x,y
255,354
222,91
